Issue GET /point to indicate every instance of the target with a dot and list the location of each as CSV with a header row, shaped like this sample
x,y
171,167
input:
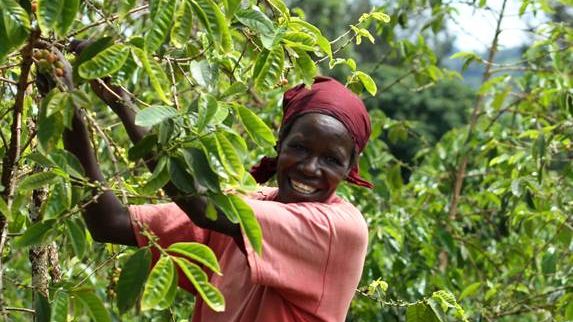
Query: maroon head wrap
x,y
326,96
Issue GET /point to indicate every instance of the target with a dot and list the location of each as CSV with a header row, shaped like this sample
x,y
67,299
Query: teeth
x,y
301,187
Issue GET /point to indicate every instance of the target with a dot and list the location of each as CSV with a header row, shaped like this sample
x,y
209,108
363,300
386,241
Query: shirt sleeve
x,y
166,221
297,248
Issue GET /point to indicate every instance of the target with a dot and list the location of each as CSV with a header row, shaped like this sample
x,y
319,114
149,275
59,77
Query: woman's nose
x,y
310,166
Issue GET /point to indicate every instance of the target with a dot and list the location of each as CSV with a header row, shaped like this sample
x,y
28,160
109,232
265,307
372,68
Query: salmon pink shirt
x,y
312,259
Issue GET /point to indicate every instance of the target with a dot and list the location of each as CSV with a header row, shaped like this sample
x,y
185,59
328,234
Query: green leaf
x,y
549,262
420,312
4,210
239,211
94,305
269,67
158,284
225,204
37,180
41,308
59,311
179,175
228,155
169,297
237,88
77,236
214,21
465,55
538,149
182,25
125,6
376,15
299,37
67,162
211,211
280,6
50,131
160,24
569,311
209,293
516,187
157,76
231,7
49,12
57,15
256,20
368,82
199,164
58,201
105,62
248,222
324,44
132,279
470,290
67,16
142,148
154,115
197,252
207,107
305,66
34,234
202,73
255,127
16,24
56,103
158,179
394,178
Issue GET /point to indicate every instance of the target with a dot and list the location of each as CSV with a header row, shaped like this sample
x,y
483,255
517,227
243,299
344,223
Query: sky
x,y
474,29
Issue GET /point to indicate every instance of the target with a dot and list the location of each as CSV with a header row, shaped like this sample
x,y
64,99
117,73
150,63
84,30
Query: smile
x,y
302,188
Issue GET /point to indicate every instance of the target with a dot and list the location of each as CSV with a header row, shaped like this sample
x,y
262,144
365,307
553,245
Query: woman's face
x,y
313,158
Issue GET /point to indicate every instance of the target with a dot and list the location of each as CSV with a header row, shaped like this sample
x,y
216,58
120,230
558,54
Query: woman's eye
x,y
333,160
297,147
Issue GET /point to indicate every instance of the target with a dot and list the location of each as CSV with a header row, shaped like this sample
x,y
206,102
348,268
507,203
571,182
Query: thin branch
x,y
185,74
13,150
398,80
337,49
19,309
474,118
9,81
112,148
238,61
9,66
107,261
102,21
173,85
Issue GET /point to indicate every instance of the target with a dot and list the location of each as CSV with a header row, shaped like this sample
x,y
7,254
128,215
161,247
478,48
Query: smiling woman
x,y
314,243
316,154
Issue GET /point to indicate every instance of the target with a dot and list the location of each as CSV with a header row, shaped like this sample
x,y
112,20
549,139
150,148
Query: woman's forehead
x,y
317,126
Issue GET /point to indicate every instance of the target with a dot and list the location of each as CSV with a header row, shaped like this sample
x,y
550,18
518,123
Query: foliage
x,y
484,217
502,242
204,75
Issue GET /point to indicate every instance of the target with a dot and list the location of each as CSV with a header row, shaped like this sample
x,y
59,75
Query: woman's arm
x,y
194,206
107,219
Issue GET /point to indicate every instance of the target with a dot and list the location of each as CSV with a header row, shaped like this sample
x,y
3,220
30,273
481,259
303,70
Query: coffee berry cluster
x,y
48,62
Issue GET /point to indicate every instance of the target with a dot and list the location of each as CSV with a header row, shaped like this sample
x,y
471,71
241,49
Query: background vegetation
x,y
473,196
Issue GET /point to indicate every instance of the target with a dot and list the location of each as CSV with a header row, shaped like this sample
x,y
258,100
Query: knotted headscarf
x,y
326,96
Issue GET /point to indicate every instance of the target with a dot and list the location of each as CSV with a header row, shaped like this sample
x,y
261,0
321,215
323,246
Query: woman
x,y
314,243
